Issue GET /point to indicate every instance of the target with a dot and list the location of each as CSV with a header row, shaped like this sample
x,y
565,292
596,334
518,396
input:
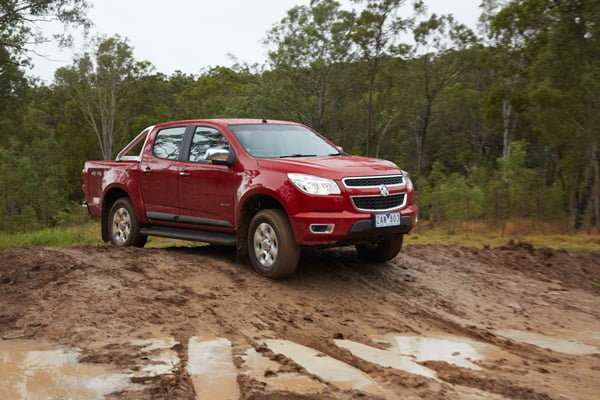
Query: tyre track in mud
x,y
103,300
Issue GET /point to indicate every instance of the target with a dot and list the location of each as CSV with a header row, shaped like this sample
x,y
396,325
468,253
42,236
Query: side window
x,y
206,138
134,149
168,143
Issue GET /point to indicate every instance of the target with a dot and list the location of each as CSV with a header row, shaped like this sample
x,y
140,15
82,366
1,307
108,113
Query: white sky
x,y
190,35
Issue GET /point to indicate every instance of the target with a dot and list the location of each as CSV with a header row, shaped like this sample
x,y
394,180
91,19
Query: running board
x,y
225,239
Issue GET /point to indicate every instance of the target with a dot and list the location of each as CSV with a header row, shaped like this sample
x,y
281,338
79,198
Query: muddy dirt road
x,y
437,322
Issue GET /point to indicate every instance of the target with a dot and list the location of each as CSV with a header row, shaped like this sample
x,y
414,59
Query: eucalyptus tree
x,y
443,56
375,33
309,45
101,84
20,24
561,42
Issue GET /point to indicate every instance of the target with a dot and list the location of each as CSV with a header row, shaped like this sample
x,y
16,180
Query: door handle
x,y
147,170
184,173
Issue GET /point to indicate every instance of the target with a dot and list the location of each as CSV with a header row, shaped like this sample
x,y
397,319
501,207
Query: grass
x,y
481,235
51,237
87,232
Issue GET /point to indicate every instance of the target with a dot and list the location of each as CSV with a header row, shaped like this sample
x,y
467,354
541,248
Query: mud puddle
x,y
330,369
549,342
34,371
266,371
211,367
406,352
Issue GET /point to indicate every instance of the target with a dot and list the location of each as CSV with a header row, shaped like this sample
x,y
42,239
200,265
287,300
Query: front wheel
x,y
382,250
273,251
123,226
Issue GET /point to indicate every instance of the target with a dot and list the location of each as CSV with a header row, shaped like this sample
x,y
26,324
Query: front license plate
x,y
389,219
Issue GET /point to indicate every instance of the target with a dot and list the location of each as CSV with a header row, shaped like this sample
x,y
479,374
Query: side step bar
x,y
225,239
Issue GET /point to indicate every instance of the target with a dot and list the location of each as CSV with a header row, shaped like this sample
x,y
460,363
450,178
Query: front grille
x,y
373,181
379,203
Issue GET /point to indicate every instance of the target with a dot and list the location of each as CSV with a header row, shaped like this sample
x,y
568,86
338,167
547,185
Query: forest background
x,y
494,126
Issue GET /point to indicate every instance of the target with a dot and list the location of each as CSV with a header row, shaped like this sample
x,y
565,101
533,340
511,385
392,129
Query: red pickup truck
x,y
267,187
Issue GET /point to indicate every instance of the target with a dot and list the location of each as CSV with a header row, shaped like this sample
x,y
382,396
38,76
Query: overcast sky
x,y
190,35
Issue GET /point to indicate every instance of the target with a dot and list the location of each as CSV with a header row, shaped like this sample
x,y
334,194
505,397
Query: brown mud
x,y
514,322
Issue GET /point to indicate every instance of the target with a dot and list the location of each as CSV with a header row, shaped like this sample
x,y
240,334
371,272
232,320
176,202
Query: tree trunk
x,y
421,135
596,192
506,119
383,132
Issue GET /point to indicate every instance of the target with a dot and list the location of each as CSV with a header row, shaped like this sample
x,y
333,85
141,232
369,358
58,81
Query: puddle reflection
x,y
37,372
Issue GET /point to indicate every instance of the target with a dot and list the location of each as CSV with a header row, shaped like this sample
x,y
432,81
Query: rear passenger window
x,y
168,143
206,138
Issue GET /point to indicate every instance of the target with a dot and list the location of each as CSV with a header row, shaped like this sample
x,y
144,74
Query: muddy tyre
x,y
272,248
123,226
383,250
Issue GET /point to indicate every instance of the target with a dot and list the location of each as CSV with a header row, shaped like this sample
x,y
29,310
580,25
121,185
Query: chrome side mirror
x,y
220,156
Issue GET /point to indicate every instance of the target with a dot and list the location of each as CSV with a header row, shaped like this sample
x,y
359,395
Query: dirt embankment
x,y
437,322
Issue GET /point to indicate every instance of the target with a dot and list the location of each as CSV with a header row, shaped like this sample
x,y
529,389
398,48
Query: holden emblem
x,y
384,190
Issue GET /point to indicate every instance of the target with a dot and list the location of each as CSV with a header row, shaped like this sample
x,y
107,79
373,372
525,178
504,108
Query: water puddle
x,y
264,370
38,372
210,364
406,352
334,371
160,359
385,358
549,342
458,351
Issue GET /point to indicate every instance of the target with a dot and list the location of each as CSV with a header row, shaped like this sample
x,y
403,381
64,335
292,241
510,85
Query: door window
x,y
168,142
206,139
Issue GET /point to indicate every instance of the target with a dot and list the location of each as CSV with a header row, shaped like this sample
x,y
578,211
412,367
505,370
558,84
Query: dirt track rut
x,y
437,322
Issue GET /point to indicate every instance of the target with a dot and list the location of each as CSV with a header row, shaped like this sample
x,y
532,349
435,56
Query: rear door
x,y
206,190
159,173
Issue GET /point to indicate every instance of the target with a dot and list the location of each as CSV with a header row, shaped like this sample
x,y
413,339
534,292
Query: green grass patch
x,y
575,241
52,237
87,232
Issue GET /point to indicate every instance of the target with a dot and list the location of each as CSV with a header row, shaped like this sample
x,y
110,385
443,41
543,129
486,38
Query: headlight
x,y
314,184
409,184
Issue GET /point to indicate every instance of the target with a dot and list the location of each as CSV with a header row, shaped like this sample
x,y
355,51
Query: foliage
x,y
19,24
495,129
101,85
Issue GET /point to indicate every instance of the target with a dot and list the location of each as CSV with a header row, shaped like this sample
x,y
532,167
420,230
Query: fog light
x,y
322,228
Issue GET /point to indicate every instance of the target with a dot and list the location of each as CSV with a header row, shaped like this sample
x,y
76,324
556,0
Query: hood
x,y
332,167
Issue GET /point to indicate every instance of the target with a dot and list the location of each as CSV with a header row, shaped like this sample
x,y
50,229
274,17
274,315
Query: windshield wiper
x,y
298,155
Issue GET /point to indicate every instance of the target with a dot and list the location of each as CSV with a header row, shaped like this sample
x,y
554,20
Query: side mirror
x,y
220,156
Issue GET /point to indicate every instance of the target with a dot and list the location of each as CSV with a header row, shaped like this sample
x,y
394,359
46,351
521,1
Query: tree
x,y
311,44
19,21
375,32
100,83
443,41
560,41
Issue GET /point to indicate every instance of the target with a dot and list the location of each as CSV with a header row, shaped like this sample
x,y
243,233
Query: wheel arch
x,y
111,195
252,205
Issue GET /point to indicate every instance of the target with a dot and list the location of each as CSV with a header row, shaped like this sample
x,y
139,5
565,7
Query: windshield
x,y
273,141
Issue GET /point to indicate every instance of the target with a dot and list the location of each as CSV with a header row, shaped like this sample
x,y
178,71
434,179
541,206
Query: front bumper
x,y
85,208
348,227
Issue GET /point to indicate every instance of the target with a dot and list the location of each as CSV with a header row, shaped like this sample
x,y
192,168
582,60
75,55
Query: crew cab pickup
x,y
268,188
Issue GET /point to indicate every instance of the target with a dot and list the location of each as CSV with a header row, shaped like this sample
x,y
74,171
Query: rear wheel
x,y
123,226
273,251
382,250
